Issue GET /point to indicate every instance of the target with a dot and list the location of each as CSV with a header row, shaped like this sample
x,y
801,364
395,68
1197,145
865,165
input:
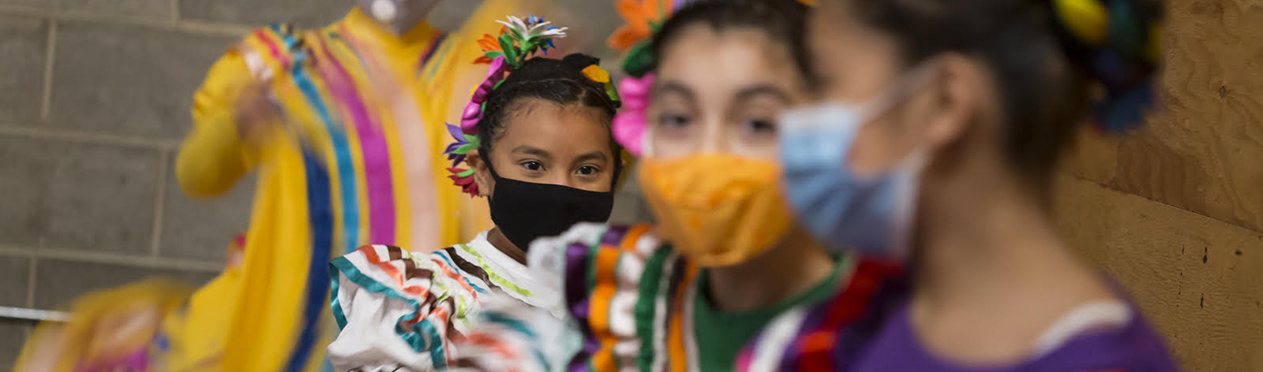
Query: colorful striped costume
x,y
832,335
637,306
400,310
353,160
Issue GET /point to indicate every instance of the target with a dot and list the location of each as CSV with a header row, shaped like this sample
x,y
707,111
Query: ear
x,y
482,174
957,96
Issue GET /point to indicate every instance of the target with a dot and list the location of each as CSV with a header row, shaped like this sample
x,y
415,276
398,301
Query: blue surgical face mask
x,y
872,213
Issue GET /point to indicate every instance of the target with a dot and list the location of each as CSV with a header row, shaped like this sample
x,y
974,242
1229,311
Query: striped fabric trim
x,y
501,282
654,317
440,292
321,219
766,355
449,257
604,279
443,288
345,164
677,351
430,52
500,343
830,335
421,335
375,159
432,69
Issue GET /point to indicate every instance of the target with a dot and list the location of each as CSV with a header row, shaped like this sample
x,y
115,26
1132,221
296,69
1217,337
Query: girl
x,y
538,145
948,117
726,256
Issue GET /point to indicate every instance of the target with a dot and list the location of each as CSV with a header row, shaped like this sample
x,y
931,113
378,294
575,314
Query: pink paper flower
x,y
473,111
629,125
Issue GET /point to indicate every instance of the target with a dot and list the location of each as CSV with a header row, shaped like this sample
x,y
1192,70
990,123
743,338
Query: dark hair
x,y
558,81
782,20
1043,71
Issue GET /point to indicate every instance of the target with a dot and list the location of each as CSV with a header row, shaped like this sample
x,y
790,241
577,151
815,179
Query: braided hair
x,y
1047,56
559,81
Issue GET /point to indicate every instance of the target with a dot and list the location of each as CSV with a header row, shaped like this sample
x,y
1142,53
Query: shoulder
x,y
1133,347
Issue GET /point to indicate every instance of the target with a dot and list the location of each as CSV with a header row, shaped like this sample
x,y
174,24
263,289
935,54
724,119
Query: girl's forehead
x,y
556,128
711,62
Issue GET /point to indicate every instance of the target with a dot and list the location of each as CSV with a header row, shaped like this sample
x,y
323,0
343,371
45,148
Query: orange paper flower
x,y
639,14
488,44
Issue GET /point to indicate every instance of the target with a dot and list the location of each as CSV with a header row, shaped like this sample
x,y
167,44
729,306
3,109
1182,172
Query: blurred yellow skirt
x,y
154,325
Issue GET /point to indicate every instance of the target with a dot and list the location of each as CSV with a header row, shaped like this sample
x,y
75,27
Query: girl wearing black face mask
x,y
537,143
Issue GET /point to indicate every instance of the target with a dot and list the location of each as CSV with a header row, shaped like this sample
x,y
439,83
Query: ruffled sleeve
x,y
512,336
397,310
610,278
602,272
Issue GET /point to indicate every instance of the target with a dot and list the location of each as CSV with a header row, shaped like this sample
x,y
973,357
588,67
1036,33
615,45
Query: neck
x,y
979,233
792,267
502,243
989,262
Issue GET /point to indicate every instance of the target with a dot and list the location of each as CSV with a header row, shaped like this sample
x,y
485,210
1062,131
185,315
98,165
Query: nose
x,y
713,139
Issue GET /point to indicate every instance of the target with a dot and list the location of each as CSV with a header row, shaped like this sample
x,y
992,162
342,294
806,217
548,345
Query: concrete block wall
x,y
94,99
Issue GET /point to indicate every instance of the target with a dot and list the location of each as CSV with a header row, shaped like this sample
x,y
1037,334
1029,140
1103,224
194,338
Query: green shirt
x,y
721,335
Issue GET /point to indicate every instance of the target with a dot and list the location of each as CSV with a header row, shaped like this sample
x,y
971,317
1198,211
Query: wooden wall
x,y
1175,211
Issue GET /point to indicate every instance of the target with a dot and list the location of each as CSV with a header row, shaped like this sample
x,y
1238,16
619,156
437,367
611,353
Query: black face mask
x,y
524,211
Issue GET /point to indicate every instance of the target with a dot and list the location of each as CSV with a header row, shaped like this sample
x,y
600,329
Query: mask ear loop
x,y
915,78
913,165
903,86
486,159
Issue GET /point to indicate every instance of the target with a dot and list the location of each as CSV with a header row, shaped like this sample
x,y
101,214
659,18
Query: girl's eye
x,y
533,166
759,126
673,120
588,170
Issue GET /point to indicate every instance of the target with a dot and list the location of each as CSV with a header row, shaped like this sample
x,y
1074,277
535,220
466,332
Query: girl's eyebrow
x,y
535,151
591,156
763,89
674,87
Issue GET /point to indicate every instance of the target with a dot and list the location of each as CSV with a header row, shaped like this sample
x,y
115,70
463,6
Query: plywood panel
x,y
1199,279
1203,151
1094,156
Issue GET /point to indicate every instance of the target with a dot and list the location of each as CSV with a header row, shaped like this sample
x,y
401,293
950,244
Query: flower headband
x,y
643,17
518,41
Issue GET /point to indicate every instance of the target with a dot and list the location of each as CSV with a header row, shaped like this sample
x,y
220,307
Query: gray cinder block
x,y
123,80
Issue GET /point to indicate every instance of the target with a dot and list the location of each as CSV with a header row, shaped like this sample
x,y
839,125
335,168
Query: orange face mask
x,y
715,209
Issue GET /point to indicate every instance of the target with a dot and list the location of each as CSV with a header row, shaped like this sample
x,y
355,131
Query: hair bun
x,y
1117,44
580,61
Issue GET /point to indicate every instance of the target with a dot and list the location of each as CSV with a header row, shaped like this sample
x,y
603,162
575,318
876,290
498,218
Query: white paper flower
x,y
535,28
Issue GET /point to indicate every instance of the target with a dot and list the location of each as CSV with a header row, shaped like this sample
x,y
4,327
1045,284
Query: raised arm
x,y
213,156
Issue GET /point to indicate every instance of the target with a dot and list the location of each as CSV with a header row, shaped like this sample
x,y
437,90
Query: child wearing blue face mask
x,y
937,141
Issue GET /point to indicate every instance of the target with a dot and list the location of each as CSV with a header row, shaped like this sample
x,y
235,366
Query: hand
x,y
256,114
